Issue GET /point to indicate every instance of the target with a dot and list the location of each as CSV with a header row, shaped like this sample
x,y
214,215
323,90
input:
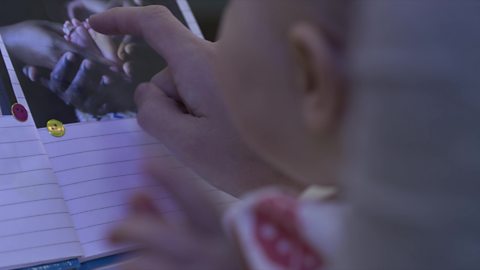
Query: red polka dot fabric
x,y
270,234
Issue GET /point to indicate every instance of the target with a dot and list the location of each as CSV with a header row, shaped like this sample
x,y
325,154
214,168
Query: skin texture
x,y
181,105
277,102
89,86
170,246
49,42
296,73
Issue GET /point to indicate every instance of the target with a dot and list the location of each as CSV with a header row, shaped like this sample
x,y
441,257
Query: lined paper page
x,y
35,226
99,168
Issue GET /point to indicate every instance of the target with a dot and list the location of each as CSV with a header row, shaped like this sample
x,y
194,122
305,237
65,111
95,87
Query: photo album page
x,y
71,151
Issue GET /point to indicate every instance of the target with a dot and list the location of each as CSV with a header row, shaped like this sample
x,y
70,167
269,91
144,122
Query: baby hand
x,y
198,244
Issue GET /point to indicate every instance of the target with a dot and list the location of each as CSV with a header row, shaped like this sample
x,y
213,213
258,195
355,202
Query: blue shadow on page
x,y
7,96
67,70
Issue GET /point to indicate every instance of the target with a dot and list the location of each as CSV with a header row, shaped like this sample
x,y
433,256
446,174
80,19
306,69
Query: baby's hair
x,y
413,137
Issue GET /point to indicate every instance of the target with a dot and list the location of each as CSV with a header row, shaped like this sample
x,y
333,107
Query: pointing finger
x,y
156,24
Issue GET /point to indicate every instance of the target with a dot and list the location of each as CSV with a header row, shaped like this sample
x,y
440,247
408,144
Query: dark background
x,y
208,14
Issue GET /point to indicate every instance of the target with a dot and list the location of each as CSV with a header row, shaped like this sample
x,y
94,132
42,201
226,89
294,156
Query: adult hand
x,y
87,85
36,43
181,106
198,244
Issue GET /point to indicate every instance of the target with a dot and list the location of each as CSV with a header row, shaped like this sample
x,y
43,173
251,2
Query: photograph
x,y
7,96
67,70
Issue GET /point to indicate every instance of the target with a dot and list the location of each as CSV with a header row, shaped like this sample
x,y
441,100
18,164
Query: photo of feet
x,y
67,70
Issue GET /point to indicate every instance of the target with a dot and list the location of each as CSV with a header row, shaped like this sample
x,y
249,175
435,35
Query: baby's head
x,y
281,63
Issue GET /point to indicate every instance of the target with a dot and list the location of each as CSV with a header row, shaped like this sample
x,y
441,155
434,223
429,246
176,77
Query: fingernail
x,y
70,56
127,68
122,55
25,71
129,48
66,26
87,64
89,20
106,80
31,74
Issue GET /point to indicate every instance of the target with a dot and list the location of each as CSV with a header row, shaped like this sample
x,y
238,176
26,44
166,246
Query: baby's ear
x,y
320,79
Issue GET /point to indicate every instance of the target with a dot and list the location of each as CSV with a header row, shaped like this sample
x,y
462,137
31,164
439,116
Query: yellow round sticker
x,y
56,128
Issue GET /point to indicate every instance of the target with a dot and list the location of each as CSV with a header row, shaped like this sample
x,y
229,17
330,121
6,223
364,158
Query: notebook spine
x,y
73,264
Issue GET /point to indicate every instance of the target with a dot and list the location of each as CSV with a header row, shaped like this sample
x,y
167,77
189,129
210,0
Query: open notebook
x,y
59,197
